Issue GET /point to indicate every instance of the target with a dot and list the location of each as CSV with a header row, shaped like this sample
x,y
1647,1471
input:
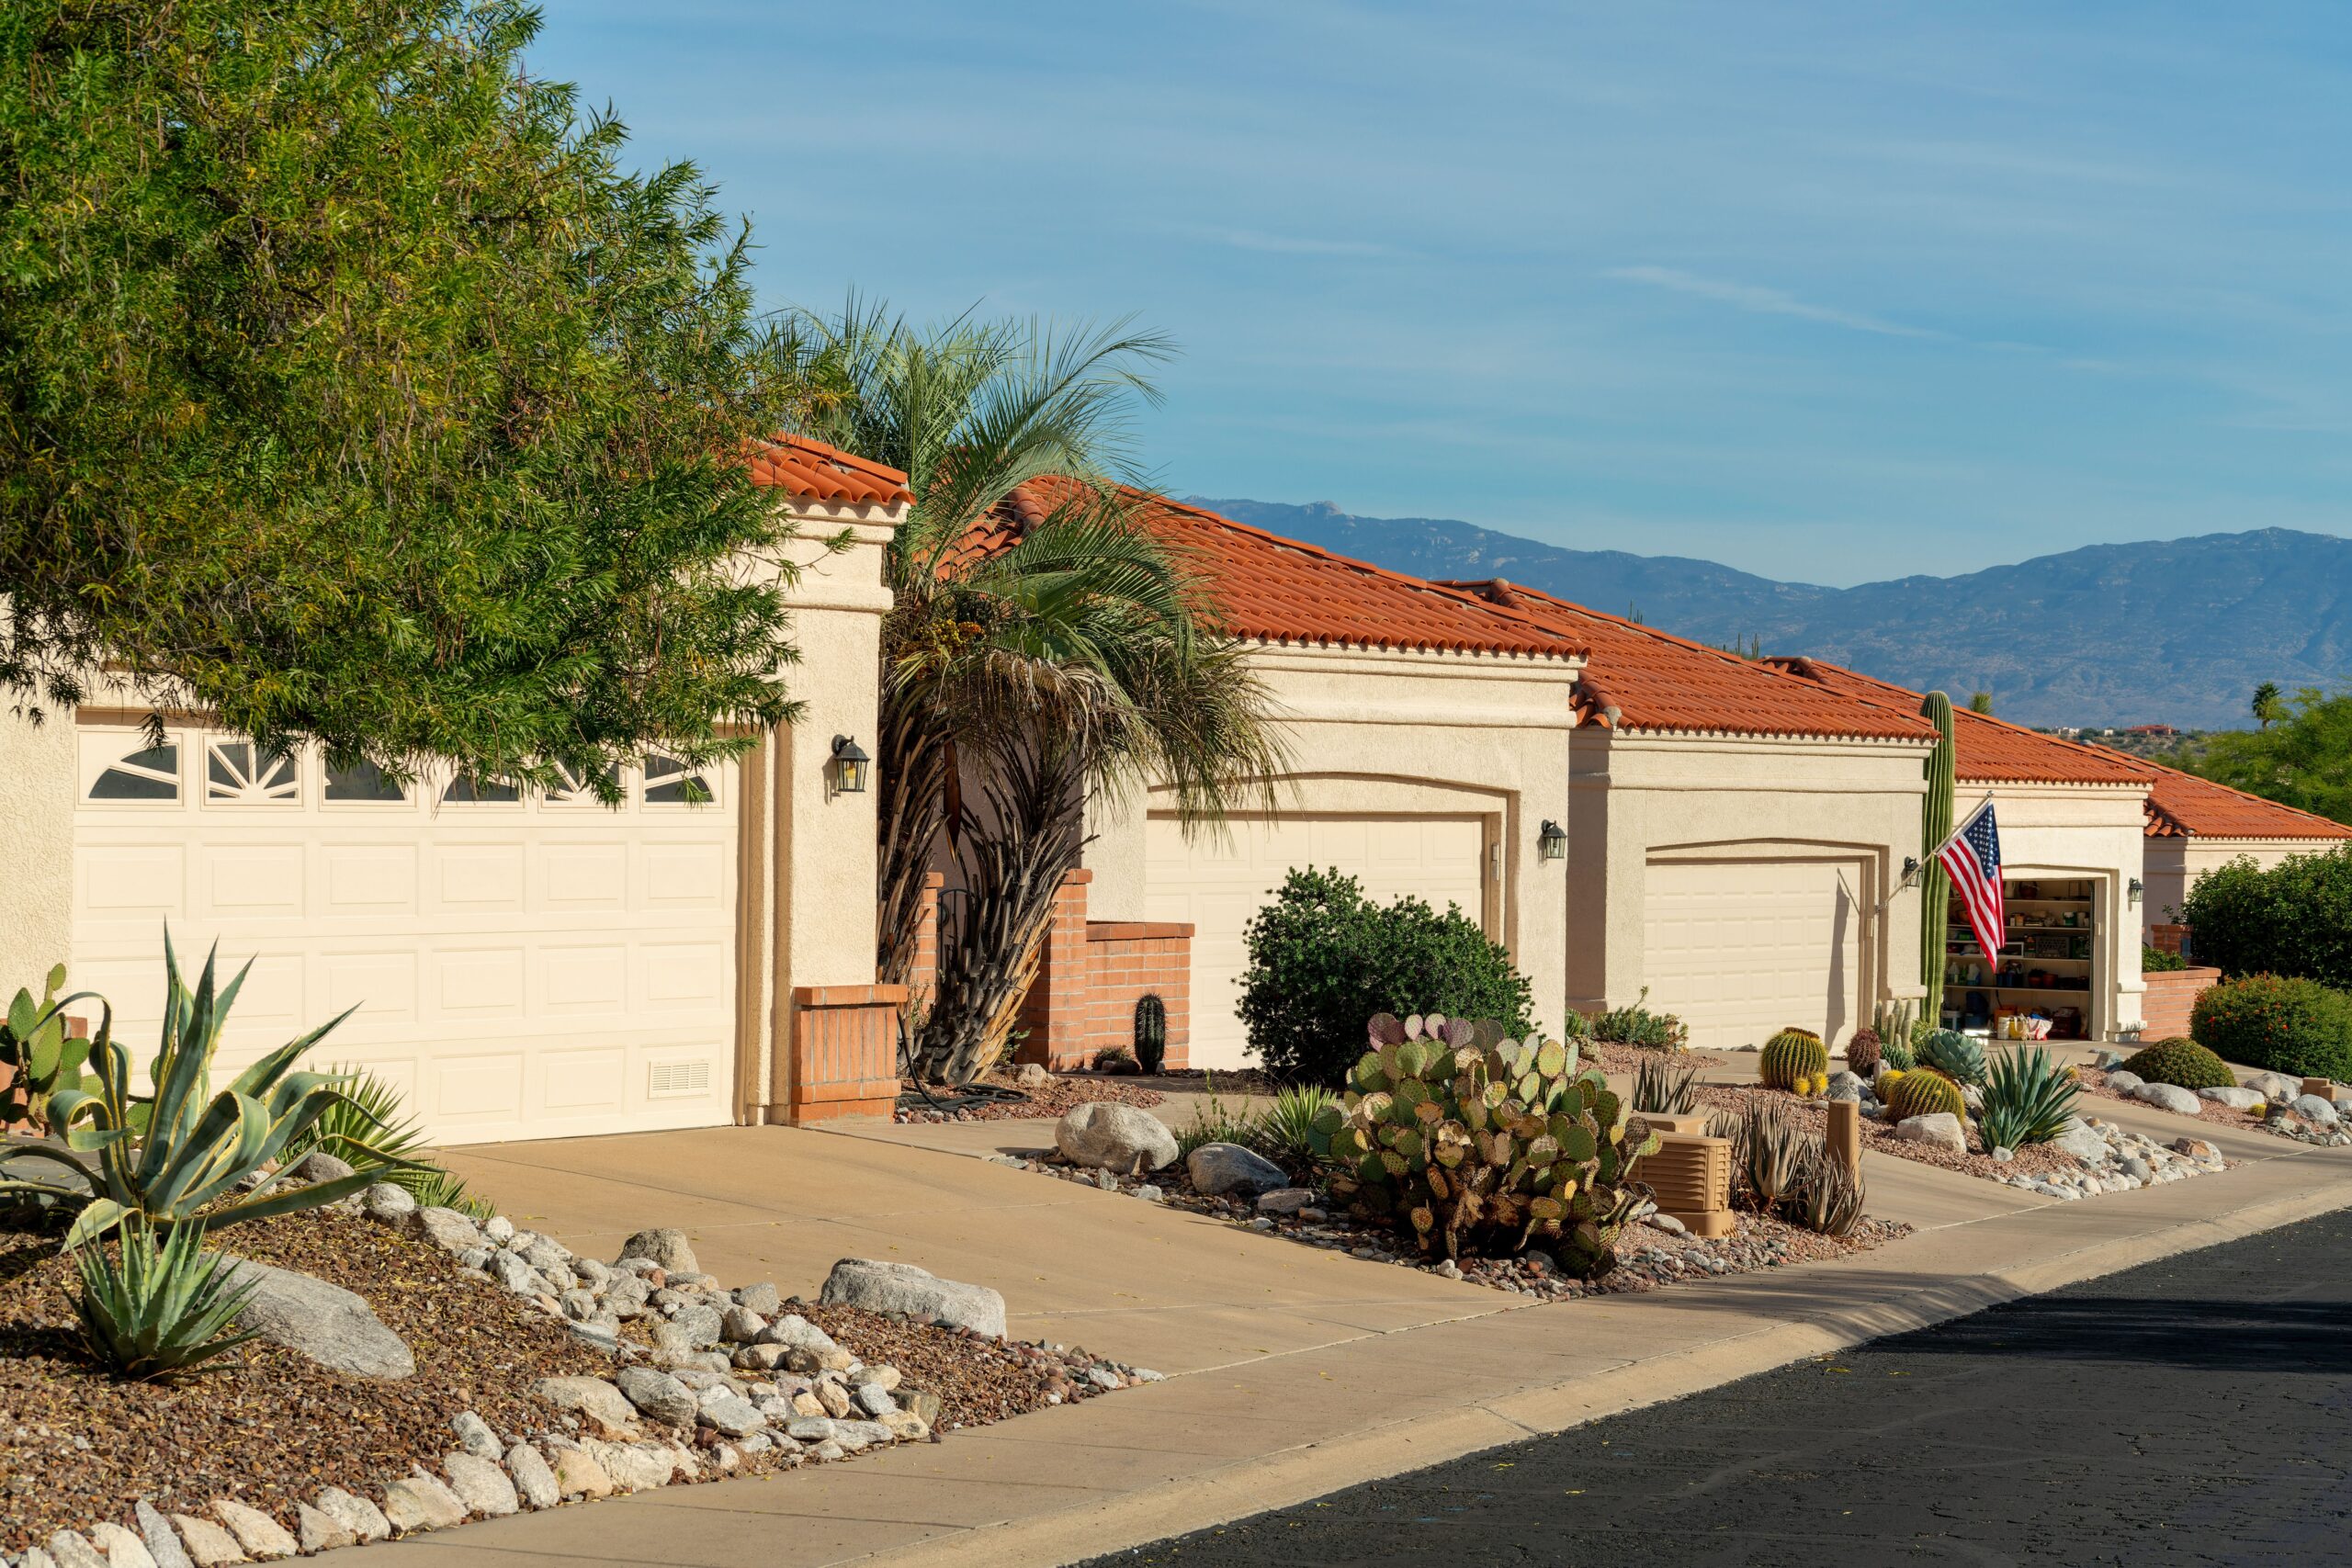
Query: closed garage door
x,y
523,967
1738,949
1217,885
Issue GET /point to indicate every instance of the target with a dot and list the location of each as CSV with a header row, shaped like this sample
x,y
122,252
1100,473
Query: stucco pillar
x,y
38,780
1114,825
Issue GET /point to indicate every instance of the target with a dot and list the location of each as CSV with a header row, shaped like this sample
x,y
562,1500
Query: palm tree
x,y
1980,702
1032,661
2268,704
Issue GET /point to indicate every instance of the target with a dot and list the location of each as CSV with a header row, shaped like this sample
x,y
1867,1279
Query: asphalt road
x,y
2198,1410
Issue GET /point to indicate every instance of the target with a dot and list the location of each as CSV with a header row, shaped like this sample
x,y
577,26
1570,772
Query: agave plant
x,y
1286,1130
366,1127
1958,1056
2028,1100
167,1157
151,1309
1660,1090
1828,1199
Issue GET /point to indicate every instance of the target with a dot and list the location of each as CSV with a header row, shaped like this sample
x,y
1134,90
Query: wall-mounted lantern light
x,y
1551,843
850,766
2135,888
1910,867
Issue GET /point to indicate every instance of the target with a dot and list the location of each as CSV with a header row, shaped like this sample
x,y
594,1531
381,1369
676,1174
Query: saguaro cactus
x,y
1935,888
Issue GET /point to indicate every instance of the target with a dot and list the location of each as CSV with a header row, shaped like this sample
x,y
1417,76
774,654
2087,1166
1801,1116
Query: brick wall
x,y
2164,1011
924,976
2169,939
844,1052
1054,1012
1128,960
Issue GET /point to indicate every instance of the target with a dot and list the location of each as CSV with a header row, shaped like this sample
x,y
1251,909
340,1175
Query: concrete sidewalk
x,y
1294,1371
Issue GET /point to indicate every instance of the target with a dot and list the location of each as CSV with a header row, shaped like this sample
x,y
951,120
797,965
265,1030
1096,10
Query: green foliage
x,y
33,1042
1922,1091
2028,1100
1636,1025
1322,952
2294,919
2293,1026
1891,1020
1793,1058
434,1187
166,1158
1150,1033
1935,826
1768,1156
359,391
1659,1089
1285,1131
1478,1143
2301,758
365,1127
1863,1053
1212,1122
2181,1062
1959,1058
151,1310
1828,1199
1897,1053
2156,961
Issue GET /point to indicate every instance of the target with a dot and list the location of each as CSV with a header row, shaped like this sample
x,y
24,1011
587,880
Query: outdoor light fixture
x,y
850,766
2135,888
1910,867
1551,843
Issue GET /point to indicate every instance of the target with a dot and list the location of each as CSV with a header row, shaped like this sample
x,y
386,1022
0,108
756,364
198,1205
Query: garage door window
x,y
364,782
152,773
667,783
463,791
574,788
238,773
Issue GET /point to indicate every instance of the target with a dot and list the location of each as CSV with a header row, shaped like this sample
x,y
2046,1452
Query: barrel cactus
x,y
2181,1062
1480,1144
1863,1054
1921,1092
1794,1058
1959,1058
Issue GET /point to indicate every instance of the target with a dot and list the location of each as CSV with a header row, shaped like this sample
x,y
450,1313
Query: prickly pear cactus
x,y
1793,1058
33,1042
1481,1145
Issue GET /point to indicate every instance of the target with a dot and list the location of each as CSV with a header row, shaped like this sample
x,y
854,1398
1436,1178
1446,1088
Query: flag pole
x,y
1936,853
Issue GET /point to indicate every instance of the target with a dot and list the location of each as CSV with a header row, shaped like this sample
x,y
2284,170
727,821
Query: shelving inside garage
x,y
2048,958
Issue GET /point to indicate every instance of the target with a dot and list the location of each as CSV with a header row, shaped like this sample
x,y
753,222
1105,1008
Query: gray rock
x,y
658,1394
2106,1058
1941,1130
634,1467
796,1333
318,1530
1846,1086
664,1248
732,1416
549,1256
71,1548
810,1429
416,1502
703,1325
1665,1223
2275,1088
2235,1099
475,1436
481,1485
1285,1200
121,1548
740,1325
510,1270
533,1482
163,1541
876,1400
1973,1097
447,1229
34,1557
879,1286
1102,1135
2003,1156
260,1535
580,1304
2168,1097
2136,1167
2124,1083
362,1518
1219,1169
1147,1192
2311,1108
499,1229
856,1436
588,1396
601,1335
208,1545
761,1298
2083,1143
627,1295
320,1165
591,1273
324,1323
388,1204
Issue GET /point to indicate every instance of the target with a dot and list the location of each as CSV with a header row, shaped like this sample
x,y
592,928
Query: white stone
x,y
2311,1108
208,1544
2124,1083
480,1484
421,1501
2168,1097
880,1285
123,1548
1103,1135
2235,1099
1942,1129
260,1535
361,1518
533,1482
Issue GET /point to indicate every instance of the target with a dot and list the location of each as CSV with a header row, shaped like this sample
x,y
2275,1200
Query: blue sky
x,y
1833,292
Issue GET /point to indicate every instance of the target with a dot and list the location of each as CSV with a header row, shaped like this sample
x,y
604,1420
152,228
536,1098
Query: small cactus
x,y
1924,1093
1958,1056
1863,1053
1791,1057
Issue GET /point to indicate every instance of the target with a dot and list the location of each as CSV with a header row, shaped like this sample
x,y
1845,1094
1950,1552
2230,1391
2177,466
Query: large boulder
x,y
2121,1082
2168,1097
324,1323
1219,1169
2235,1099
1941,1130
1104,1137
593,1397
879,1286
658,1395
2311,1108
665,1248
2083,1143
2275,1088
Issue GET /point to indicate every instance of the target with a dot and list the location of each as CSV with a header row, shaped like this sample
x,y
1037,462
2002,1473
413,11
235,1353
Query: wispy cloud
x,y
1293,244
1760,300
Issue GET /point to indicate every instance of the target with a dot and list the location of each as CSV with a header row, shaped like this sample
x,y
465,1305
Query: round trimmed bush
x,y
2181,1062
2297,1027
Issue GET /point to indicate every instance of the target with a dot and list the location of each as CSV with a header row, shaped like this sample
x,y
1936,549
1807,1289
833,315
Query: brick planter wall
x,y
2169,939
844,1052
2164,1011
1128,960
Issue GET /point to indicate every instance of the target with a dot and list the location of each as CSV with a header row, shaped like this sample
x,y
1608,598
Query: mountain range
x,y
2174,631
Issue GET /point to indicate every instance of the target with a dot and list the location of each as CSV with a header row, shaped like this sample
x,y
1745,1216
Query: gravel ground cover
x,y
1021,1102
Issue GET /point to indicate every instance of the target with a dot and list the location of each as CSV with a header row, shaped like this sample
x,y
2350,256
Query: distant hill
x,y
2178,631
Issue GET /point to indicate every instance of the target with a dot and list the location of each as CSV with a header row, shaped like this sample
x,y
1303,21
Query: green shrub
x,y
1323,957
2293,1026
1283,1132
2156,961
2028,1100
366,1129
148,1311
2293,919
1636,1025
2183,1063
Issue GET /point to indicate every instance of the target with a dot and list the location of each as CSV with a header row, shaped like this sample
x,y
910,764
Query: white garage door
x,y
1217,885
524,969
1738,949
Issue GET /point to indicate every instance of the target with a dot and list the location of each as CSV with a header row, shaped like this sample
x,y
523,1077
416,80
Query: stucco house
x,y
525,967
2195,825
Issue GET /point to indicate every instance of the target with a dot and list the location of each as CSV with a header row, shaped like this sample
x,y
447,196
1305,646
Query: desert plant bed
x,y
1614,1058
1652,1252
2281,1121
1005,1097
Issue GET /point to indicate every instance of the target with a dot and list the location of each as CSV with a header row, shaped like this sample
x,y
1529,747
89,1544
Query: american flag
x,y
1971,858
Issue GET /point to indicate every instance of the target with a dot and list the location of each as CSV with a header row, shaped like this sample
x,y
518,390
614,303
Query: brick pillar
x,y
2169,939
923,979
844,1052
1054,1012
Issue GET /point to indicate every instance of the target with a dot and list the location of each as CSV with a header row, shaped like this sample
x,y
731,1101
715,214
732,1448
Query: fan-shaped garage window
x,y
667,783
150,774
577,788
241,773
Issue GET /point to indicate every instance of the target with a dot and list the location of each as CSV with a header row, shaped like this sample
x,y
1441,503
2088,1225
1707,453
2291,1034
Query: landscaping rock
x,y
2083,1143
2168,1097
510,1271
665,1249
876,1400
533,1482
163,1541
2106,1058
761,1298
879,1286
1103,1135
1943,1130
320,1165
658,1394
1219,1169
474,1435
482,1485
833,1399
589,1396
2235,1099
701,1323
207,1545
121,1548
2311,1108
260,1535
447,1229
2124,1083
740,1325
418,1502
2275,1088
324,1323
2195,1148
319,1531
1285,1200
633,1467
577,1475
732,1416
1846,1086
71,1548
1033,1075
362,1518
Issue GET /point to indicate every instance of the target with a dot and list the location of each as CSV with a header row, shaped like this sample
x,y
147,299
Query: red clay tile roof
x,y
2184,805
1991,750
1653,679
814,471
1266,586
